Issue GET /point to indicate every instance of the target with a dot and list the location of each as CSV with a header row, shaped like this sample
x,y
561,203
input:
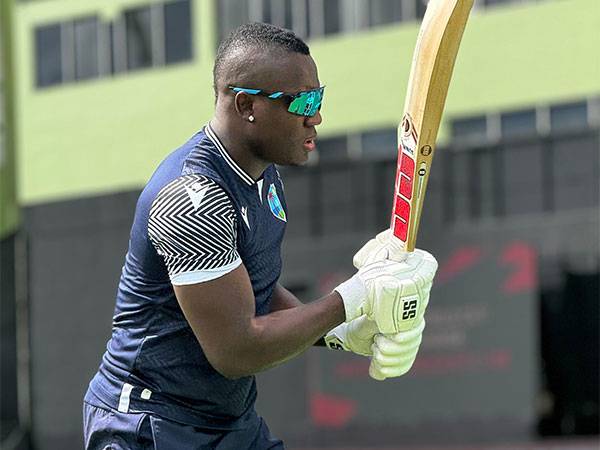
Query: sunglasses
x,y
305,103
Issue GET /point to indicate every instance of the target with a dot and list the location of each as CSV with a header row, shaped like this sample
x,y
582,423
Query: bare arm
x,y
221,313
283,299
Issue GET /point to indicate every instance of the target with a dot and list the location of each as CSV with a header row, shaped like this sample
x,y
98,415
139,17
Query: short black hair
x,y
259,36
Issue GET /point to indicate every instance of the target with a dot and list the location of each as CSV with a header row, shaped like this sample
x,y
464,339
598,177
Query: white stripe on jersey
x,y
228,159
195,234
200,276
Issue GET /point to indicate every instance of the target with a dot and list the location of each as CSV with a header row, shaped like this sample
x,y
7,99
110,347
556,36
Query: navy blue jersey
x,y
199,217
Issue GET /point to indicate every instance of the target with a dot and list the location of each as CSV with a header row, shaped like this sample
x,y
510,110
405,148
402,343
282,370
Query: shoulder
x,y
193,226
192,195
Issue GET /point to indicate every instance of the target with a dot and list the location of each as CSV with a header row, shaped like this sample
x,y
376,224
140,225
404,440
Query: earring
x,y
250,118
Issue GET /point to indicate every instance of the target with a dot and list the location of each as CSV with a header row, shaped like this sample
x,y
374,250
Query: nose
x,y
314,120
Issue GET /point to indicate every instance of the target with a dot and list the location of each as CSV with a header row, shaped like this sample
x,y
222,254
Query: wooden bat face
x,y
431,70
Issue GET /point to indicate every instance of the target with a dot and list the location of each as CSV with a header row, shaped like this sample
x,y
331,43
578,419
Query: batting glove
x,y
384,246
394,294
355,336
394,354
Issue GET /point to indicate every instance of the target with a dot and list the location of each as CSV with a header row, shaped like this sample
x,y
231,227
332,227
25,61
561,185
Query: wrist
x,y
353,293
335,339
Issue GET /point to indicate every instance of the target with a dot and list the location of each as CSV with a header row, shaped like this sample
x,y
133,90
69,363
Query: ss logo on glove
x,y
409,309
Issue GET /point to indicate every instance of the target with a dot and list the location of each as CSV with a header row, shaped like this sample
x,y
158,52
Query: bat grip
x,y
396,248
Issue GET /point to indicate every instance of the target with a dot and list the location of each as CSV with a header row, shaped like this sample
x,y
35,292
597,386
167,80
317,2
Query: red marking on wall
x,y
523,259
331,411
353,369
499,359
458,262
443,363
494,360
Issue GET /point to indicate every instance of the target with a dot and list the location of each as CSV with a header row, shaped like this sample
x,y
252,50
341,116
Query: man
x,y
199,309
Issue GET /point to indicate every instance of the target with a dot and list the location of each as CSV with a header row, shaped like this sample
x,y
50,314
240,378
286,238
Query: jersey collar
x,y
228,159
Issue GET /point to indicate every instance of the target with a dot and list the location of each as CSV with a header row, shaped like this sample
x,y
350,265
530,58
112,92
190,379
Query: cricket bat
x,y
433,61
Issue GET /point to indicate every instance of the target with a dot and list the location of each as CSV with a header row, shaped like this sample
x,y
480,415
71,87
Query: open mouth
x,y
310,144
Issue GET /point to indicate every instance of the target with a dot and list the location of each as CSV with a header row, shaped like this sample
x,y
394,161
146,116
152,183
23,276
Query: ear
x,y
244,105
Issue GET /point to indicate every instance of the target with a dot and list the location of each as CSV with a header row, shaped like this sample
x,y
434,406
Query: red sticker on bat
x,y
400,229
402,208
405,174
407,169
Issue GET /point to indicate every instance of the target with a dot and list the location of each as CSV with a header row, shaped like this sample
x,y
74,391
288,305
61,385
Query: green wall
x,y
9,214
510,56
109,134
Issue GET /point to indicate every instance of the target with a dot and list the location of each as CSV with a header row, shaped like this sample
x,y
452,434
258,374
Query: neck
x,y
238,148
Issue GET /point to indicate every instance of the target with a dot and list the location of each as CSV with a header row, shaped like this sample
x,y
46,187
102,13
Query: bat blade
x,y
433,61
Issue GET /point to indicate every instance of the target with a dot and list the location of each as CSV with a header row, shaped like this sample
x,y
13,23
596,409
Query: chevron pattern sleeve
x,y
192,225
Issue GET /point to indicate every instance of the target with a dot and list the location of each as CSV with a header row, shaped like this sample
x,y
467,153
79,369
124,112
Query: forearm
x,y
283,299
222,314
277,337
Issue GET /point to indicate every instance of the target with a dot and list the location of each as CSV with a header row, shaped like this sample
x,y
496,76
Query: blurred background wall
x,y
94,94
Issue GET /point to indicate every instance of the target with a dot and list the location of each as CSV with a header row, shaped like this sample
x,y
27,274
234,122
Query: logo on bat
x,y
409,135
404,179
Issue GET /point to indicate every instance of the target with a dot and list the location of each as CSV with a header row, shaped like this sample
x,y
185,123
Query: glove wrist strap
x,y
335,339
354,294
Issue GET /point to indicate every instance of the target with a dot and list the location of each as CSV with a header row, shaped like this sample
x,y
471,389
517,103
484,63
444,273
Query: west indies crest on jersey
x,y
275,203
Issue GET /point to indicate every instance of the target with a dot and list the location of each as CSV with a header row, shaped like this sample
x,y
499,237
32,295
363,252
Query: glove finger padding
x,y
383,246
355,336
380,373
399,343
394,355
402,354
399,360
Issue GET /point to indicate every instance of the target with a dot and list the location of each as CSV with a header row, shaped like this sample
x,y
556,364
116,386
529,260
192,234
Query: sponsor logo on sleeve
x,y
275,203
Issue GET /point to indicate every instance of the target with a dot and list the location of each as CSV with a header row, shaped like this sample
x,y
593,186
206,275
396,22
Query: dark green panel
x,y
75,254
8,344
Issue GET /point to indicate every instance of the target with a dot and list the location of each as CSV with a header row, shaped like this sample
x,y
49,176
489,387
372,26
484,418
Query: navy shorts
x,y
105,429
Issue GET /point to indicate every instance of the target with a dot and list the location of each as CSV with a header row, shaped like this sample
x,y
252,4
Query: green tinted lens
x,y
307,103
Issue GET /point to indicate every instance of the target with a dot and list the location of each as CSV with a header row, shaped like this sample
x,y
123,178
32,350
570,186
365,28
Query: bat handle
x,y
396,248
